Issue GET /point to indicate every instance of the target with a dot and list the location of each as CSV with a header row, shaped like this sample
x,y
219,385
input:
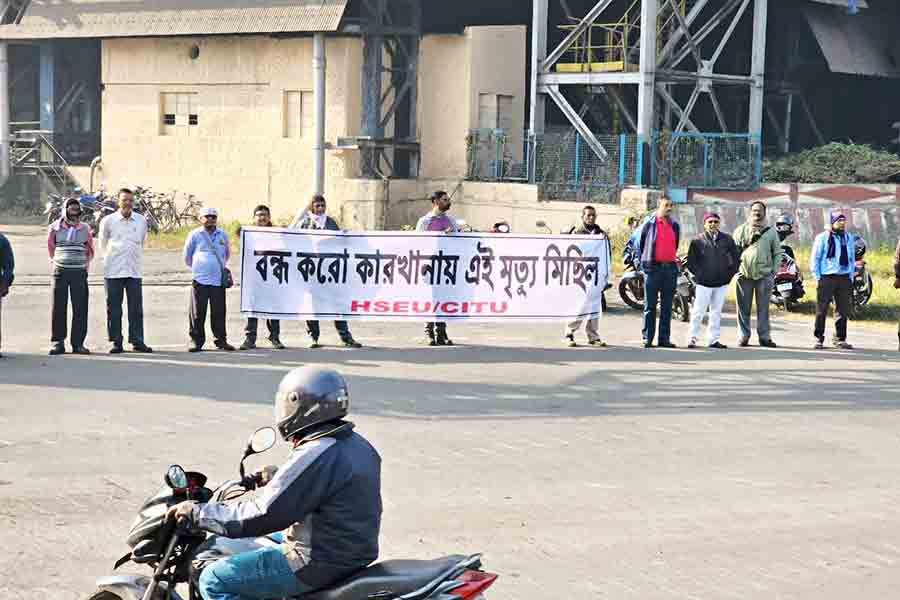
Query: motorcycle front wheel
x,y
105,596
632,293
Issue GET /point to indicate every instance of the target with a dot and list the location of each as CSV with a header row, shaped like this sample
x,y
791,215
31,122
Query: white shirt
x,y
122,243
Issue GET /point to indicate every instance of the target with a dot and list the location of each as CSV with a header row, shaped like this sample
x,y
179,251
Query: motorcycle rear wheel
x,y
681,308
629,296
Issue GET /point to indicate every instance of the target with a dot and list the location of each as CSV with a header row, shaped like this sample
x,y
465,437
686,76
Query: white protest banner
x,y
420,276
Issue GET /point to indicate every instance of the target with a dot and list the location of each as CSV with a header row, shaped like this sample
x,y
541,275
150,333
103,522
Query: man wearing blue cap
x,y
832,263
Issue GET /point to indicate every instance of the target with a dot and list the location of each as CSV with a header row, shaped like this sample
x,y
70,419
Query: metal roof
x,y
47,19
863,44
843,3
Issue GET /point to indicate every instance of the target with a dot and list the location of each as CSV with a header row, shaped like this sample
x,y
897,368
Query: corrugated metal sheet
x,y
123,18
843,3
864,44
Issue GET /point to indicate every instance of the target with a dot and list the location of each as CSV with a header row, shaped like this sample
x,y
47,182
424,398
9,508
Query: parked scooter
x,y
178,555
54,207
863,286
788,288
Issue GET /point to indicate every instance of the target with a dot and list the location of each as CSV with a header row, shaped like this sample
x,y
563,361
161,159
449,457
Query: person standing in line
x,y
713,259
70,244
206,252
656,246
832,263
7,266
437,219
592,325
760,258
316,218
122,238
262,218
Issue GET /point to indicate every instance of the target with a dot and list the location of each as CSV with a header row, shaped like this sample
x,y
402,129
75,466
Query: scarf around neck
x,y
845,255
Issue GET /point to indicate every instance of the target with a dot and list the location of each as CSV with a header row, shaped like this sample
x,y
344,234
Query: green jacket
x,y
761,259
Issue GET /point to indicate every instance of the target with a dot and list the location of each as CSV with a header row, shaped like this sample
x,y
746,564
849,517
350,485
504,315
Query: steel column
x,y
47,86
646,90
4,113
758,67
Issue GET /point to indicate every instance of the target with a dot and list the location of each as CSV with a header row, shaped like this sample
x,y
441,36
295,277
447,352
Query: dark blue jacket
x,y
7,262
327,498
645,236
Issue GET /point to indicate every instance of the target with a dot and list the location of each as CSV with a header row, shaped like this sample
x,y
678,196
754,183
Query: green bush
x,y
834,163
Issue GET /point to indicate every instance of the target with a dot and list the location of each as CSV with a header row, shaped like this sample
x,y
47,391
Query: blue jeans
x,y
259,575
659,286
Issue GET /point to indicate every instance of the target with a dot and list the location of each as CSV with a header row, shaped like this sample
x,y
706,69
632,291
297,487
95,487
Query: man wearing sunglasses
x,y
713,259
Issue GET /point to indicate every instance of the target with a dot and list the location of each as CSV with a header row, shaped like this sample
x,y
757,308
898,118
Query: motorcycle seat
x,y
388,579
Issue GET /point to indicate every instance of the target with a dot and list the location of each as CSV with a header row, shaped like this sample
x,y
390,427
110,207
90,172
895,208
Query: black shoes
x,y
768,344
667,345
116,349
57,349
718,346
248,345
276,343
195,348
226,347
570,341
81,350
351,343
314,343
648,344
744,342
142,348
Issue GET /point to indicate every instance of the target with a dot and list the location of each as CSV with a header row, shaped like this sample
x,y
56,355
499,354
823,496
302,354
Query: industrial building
x,y
378,102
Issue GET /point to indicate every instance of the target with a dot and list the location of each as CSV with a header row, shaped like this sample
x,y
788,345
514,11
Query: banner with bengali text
x,y
421,276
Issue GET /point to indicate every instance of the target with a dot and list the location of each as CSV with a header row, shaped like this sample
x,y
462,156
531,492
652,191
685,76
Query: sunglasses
x,y
712,221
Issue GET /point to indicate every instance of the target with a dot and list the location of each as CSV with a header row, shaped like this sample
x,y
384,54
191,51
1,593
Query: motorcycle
x,y
53,208
788,288
863,286
178,555
632,288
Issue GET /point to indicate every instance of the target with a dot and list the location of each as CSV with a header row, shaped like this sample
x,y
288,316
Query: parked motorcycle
x,y
788,288
632,287
863,286
54,207
178,555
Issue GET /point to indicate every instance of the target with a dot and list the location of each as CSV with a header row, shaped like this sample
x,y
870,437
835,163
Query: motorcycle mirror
x,y
261,440
176,478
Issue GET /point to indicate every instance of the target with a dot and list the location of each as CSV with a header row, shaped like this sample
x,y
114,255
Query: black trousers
x,y
116,289
312,328
201,295
839,288
253,325
437,330
68,282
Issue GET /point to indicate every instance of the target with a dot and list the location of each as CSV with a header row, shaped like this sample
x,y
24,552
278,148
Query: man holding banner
x,y
438,220
588,227
317,219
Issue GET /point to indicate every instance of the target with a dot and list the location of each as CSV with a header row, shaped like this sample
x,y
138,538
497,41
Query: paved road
x,y
585,473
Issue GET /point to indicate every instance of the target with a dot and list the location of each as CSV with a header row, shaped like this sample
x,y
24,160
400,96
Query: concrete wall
x,y
872,210
239,157
398,203
453,71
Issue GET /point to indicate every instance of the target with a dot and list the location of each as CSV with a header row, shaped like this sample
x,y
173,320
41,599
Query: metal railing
x,y
728,161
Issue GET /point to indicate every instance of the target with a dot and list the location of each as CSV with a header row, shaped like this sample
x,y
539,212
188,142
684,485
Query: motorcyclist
x,y
784,225
326,498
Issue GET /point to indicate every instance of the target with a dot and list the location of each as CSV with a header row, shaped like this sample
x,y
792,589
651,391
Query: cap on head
x,y
711,215
837,216
71,201
208,211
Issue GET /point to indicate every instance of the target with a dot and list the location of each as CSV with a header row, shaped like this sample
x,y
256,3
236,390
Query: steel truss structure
x,y
697,33
391,31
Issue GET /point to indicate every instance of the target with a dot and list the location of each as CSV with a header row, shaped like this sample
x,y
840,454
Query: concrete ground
x,y
579,473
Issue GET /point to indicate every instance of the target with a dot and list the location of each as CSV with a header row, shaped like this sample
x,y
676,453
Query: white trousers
x,y
591,327
712,299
